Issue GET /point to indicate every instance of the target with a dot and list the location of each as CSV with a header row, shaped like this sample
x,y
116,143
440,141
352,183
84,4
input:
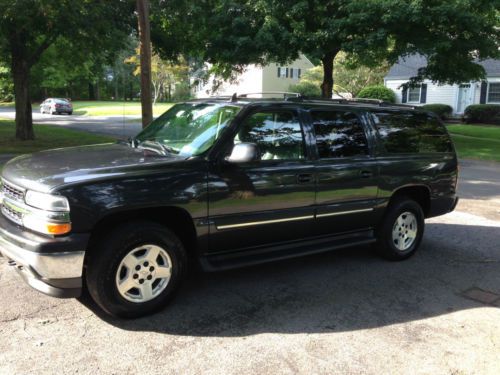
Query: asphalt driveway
x,y
346,312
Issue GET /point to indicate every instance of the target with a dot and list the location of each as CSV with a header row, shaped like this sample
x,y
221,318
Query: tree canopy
x,y
29,27
452,34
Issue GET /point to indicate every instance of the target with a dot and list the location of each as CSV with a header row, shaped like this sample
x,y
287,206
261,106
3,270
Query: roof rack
x,y
378,102
295,96
286,95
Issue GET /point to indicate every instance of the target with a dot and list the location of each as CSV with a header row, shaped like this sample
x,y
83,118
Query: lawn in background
x,y
47,137
112,108
476,141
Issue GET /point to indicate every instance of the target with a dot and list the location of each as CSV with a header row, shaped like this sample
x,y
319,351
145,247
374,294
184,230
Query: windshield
x,y
189,129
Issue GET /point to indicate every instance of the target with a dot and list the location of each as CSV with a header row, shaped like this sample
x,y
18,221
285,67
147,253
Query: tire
x,y
70,113
124,279
401,230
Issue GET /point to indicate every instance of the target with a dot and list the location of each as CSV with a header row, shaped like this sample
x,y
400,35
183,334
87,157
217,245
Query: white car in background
x,y
56,106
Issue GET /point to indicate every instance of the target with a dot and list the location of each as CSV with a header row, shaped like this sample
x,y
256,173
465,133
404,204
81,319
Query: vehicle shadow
x,y
344,290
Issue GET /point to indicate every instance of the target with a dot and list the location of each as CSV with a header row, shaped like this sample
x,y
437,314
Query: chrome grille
x,y
15,216
12,192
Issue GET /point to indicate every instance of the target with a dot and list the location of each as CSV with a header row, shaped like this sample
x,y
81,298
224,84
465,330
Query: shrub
x,y
442,110
306,88
378,92
182,92
482,113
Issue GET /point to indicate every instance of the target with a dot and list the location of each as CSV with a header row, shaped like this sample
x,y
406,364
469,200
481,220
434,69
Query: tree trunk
x,y
97,91
24,118
145,53
91,91
327,85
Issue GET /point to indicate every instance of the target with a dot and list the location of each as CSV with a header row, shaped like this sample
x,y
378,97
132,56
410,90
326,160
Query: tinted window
x,y
411,132
338,134
277,134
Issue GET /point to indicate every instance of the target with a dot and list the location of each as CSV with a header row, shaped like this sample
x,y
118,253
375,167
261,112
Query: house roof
x,y
408,66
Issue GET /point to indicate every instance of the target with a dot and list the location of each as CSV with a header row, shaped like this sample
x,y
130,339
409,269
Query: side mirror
x,y
243,153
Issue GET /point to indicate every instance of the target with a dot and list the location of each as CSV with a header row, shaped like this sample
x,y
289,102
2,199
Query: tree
x,y
29,27
164,74
452,34
349,79
145,61
352,78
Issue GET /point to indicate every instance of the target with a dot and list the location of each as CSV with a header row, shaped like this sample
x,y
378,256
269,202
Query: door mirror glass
x,y
243,153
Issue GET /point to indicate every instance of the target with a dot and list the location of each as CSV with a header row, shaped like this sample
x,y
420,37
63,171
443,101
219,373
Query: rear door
x,y
346,171
268,201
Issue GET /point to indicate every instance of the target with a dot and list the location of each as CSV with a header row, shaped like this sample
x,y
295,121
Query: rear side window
x,y
339,134
411,132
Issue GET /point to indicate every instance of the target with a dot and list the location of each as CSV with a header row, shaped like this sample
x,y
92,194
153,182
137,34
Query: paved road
x,y
117,126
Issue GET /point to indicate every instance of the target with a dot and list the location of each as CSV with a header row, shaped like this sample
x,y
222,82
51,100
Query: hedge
x,y
378,92
442,110
306,88
482,114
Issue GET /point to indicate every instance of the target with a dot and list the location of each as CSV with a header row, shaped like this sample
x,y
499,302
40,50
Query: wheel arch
x,y
419,193
174,218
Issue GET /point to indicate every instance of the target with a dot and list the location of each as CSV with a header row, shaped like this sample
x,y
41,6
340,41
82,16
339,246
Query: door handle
x,y
304,178
366,174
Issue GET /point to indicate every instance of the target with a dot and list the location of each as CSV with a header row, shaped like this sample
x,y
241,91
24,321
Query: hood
x,y
43,171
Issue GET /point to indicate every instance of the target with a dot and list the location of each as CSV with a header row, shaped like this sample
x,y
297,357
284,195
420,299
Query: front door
x,y
464,97
268,201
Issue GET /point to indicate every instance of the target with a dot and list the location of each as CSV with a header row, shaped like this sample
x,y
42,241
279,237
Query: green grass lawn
x,y
476,141
47,137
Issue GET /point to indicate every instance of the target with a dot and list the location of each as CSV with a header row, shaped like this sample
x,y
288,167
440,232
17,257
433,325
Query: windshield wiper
x,y
164,149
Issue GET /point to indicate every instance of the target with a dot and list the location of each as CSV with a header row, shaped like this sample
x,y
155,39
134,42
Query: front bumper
x,y
53,266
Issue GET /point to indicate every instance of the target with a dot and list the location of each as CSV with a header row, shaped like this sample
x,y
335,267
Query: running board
x,y
250,257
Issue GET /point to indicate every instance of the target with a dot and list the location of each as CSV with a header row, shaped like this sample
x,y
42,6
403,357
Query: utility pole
x,y
145,54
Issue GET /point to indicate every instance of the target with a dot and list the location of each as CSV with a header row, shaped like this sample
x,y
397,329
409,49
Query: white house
x,y
457,96
256,79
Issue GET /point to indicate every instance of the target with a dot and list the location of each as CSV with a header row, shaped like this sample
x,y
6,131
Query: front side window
x,y
494,92
188,129
278,135
339,134
414,94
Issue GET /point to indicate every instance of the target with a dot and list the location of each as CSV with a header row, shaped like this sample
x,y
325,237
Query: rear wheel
x,y
400,233
136,269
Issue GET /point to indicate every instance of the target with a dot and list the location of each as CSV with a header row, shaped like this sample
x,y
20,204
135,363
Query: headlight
x,y
46,202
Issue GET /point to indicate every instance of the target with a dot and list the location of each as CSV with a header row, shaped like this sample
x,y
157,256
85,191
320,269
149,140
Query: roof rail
x,y
285,94
378,102
295,96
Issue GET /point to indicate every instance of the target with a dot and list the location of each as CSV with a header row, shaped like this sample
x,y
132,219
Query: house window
x,y
494,92
414,94
295,73
282,72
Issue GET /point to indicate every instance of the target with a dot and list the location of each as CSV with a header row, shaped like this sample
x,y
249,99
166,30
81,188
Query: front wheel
x,y
136,269
400,233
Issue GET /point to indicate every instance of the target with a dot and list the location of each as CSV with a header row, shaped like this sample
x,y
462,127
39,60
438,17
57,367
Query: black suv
x,y
226,182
